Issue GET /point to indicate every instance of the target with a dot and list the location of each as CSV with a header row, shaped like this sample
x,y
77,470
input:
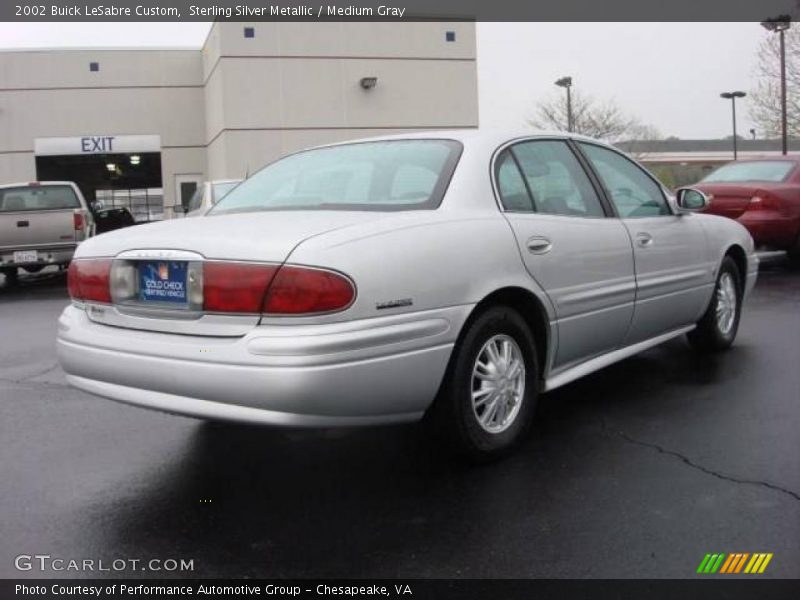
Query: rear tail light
x,y
235,287
88,279
762,201
302,291
227,287
78,220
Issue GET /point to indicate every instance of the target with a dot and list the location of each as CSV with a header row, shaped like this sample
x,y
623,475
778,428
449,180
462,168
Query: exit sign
x,y
96,144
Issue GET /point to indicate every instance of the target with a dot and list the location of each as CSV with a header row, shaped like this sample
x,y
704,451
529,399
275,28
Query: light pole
x,y
732,96
566,82
779,25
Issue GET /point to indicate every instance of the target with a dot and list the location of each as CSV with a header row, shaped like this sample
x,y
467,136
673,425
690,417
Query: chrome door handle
x,y
539,245
644,239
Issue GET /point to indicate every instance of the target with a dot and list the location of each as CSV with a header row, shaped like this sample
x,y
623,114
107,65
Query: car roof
x,y
35,184
475,136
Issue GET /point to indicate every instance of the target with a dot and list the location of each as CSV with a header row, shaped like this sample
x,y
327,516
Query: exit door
x,y
186,185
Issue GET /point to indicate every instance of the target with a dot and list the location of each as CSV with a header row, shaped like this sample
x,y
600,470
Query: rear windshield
x,y
763,170
380,176
44,197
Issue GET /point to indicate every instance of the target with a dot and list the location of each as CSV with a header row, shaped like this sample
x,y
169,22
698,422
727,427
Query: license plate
x,y
26,256
163,282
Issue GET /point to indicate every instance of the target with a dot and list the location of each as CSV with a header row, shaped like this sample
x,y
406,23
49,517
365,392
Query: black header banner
x,y
398,10
410,589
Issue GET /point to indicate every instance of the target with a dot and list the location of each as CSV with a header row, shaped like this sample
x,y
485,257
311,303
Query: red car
x,y
764,196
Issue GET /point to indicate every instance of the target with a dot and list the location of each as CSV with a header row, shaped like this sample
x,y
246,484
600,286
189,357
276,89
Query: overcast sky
x,y
667,74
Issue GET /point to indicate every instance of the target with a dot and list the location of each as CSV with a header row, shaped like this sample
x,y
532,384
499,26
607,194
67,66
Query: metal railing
x,y
145,205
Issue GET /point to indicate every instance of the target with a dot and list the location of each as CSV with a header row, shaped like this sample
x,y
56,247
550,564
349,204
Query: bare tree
x,y
765,100
602,120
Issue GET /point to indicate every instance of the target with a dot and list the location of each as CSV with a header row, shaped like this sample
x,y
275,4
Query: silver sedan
x,y
452,276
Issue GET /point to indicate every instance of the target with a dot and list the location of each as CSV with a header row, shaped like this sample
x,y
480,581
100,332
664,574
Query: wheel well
x,y
529,307
740,258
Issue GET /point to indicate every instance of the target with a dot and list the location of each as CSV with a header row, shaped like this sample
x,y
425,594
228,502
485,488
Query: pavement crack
x,y
689,462
25,382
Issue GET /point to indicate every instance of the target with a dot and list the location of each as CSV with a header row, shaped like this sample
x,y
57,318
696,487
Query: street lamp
x,y
566,82
779,25
732,96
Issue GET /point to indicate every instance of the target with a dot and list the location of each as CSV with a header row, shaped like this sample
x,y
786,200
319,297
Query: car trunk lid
x,y
728,200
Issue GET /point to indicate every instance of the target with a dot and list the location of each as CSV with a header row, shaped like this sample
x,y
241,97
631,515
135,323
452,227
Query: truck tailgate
x,y
37,229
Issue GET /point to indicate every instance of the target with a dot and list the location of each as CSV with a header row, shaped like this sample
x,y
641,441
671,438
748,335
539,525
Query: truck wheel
x,y
717,329
486,403
11,275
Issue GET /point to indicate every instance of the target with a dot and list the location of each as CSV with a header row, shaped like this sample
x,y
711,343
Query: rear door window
x,y
553,176
43,197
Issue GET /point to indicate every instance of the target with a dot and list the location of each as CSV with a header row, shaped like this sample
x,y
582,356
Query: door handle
x,y
644,239
539,245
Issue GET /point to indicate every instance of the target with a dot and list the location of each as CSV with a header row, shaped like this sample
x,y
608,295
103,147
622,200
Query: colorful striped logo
x,y
738,562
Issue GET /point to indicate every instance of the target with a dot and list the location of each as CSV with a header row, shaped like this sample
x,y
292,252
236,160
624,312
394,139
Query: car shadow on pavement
x,y
253,501
49,283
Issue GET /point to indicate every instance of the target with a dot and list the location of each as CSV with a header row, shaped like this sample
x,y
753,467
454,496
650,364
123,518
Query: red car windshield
x,y
773,171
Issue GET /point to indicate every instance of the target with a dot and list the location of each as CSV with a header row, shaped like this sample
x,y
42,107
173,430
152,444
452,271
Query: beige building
x,y
115,120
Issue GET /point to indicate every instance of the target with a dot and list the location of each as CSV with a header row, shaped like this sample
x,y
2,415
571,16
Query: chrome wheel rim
x,y
498,383
726,303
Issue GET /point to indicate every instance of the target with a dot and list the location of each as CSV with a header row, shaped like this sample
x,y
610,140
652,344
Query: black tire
x,y
794,256
710,335
453,415
11,275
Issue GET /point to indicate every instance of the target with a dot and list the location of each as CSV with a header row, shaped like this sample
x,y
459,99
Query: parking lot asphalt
x,y
636,471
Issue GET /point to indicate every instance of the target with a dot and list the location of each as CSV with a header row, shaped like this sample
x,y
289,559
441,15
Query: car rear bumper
x,y
382,370
46,256
772,229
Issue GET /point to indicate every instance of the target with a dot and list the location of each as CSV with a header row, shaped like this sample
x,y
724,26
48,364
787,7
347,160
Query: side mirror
x,y
98,205
691,200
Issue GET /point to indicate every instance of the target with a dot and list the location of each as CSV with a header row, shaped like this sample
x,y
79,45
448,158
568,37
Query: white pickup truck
x,y
41,224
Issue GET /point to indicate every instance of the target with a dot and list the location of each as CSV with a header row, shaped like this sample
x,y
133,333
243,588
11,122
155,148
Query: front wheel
x,y
717,329
487,400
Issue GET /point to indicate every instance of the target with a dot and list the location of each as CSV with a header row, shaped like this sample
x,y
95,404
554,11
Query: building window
x,y
249,32
450,36
94,66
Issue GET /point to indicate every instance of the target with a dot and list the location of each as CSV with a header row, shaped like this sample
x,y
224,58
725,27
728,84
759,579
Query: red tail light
x,y
235,287
763,201
89,279
77,220
301,290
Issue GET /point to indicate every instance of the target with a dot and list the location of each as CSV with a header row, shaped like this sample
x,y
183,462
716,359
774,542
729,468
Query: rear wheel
x,y
487,401
717,329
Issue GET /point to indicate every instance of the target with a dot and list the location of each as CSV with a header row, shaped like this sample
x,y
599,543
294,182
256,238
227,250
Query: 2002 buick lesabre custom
x,y
453,275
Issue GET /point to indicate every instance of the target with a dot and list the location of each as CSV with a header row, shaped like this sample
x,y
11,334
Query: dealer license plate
x,y
163,282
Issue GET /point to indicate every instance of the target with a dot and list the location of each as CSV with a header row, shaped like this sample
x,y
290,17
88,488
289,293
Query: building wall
x,y
298,85
239,103
54,94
